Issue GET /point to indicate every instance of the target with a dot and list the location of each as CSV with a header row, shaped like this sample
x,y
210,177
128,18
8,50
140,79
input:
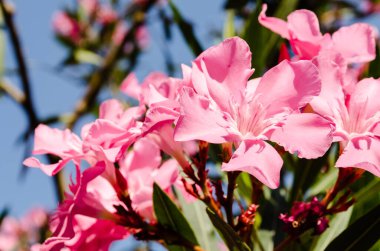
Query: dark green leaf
x,y
230,237
169,216
186,29
360,235
374,66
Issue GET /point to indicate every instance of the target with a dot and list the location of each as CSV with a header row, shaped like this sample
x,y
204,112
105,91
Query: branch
x,y
24,75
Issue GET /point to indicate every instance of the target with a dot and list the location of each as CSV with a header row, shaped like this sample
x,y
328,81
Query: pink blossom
x,y
106,15
302,31
66,27
103,139
141,168
355,113
89,6
61,143
88,209
225,107
18,234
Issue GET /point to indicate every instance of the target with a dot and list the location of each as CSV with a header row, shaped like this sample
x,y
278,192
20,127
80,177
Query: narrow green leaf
x,y
244,186
361,235
337,224
264,240
169,216
374,66
230,237
187,30
85,56
367,197
199,221
229,25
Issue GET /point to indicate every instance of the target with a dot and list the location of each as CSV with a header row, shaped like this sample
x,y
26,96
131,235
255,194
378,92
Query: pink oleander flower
x,y
160,93
141,168
89,234
85,213
355,111
66,27
21,234
302,31
96,203
224,107
103,139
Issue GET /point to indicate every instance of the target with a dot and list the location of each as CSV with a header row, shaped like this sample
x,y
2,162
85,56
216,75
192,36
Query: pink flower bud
x,y
66,27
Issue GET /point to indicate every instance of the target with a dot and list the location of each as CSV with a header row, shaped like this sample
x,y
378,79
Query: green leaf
x,y
361,235
264,240
199,221
85,56
374,66
229,25
368,196
244,186
336,225
169,216
230,237
186,29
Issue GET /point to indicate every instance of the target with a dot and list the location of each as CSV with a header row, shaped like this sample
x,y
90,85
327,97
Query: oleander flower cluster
x,y
301,106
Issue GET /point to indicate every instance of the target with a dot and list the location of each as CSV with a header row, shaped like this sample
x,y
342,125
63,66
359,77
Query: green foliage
x,y
230,237
360,235
205,232
169,216
336,225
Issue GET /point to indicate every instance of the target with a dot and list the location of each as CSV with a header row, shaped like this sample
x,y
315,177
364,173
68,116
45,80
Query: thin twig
x,y
23,70
14,93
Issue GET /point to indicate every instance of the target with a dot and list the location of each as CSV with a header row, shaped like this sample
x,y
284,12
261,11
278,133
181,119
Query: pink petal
x,y
289,85
361,47
158,115
362,152
305,37
62,143
199,120
331,68
130,86
50,169
168,174
259,159
309,135
145,154
273,23
227,67
111,109
366,95
304,26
